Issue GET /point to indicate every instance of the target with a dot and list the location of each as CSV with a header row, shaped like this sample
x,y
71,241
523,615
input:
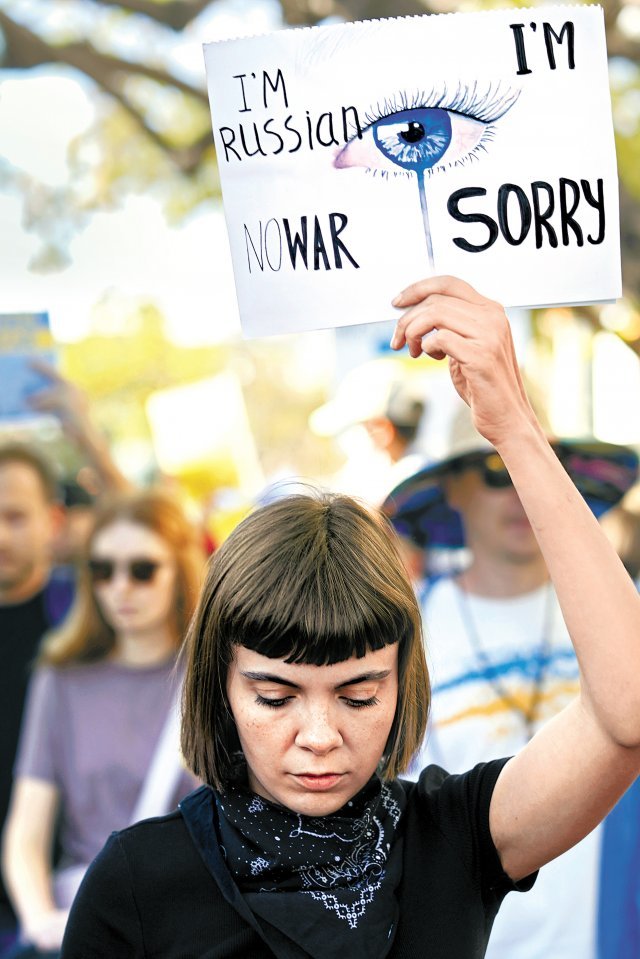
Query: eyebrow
x,y
280,681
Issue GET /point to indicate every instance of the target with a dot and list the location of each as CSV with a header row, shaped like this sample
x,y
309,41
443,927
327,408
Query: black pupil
x,y
413,133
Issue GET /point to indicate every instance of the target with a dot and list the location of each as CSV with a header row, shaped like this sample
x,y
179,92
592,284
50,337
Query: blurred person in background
x,y
79,507
31,600
620,860
35,593
376,416
501,658
622,526
99,743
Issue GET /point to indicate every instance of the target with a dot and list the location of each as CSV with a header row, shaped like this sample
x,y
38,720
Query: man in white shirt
x,y
500,657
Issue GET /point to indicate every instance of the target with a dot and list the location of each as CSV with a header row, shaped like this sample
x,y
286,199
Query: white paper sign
x,y
358,158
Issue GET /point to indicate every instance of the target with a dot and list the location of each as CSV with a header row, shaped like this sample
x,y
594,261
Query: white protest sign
x,y
355,159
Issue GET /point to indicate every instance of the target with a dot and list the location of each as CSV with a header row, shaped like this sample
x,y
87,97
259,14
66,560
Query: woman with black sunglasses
x,y
98,727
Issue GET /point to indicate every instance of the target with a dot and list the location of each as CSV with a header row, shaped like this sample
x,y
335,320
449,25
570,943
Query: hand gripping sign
x,y
357,158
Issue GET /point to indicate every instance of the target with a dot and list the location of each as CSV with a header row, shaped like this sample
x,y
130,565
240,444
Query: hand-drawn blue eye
x,y
428,132
414,139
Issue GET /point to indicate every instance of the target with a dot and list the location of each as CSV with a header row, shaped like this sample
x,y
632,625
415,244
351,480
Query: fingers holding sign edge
x,y
447,285
421,321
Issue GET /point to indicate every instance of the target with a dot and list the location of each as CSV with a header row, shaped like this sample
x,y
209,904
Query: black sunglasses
x,y
490,466
139,570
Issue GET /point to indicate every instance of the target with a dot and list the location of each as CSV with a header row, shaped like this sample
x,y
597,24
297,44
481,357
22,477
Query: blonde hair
x,y
85,635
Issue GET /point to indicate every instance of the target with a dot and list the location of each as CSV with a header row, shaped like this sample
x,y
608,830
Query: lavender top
x,y
91,730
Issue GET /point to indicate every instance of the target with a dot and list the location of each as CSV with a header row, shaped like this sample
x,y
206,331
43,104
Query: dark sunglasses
x,y
490,466
139,570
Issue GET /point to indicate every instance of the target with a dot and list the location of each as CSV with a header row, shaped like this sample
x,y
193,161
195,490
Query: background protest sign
x,y
24,337
358,158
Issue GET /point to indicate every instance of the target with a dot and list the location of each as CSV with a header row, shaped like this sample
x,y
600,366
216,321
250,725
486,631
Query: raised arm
x,y
71,406
559,787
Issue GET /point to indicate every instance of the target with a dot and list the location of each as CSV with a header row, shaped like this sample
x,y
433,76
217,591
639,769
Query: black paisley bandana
x,y
329,882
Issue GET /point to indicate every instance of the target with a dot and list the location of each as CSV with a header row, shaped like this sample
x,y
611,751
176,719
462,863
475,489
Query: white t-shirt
x,y
491,661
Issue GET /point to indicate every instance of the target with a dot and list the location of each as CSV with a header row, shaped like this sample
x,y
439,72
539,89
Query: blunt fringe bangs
x,y
313,579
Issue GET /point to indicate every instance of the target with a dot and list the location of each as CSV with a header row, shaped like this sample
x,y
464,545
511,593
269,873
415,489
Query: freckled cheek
x,y
259,732
373,735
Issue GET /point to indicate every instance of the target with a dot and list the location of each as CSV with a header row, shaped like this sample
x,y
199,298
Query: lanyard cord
x,y
529,714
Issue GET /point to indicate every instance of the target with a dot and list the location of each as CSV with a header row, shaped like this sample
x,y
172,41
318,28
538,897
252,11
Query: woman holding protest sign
x,y
307,693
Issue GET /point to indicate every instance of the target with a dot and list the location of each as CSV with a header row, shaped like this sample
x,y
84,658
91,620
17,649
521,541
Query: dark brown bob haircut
x,y
310,579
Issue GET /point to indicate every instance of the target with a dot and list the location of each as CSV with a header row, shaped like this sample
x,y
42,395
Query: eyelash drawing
x,y
427,132
468,100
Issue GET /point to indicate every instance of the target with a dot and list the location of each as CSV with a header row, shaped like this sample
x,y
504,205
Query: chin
x,y
318,805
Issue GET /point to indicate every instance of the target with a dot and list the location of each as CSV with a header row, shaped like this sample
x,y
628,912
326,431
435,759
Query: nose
x,y
318,731
120,581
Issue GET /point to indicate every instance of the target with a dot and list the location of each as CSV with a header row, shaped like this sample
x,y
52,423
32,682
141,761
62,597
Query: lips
x,y
318,782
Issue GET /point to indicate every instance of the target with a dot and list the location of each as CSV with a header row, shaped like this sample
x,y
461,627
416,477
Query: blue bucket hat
x,y
418,509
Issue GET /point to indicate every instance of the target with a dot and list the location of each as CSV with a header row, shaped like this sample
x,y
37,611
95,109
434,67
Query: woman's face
x,y
312,736
134,578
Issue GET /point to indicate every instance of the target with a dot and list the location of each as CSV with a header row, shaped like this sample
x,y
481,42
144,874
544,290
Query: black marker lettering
x,y
278,245
521,55
540,217
503,213
329,123
297,244
274,133
598,204
346,129
549,32
249,242
309,131
227,145
338,245
319,247
453,206
246,149
240,77
566,214
293,130
266,79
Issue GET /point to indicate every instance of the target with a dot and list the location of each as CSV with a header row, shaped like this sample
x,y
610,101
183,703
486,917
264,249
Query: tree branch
x,y
175,14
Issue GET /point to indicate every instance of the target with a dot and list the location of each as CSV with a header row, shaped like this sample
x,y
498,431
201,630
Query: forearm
x,y
95,448
27,873
599,602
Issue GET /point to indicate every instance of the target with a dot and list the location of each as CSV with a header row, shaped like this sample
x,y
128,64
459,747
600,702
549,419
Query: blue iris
x,y
414,139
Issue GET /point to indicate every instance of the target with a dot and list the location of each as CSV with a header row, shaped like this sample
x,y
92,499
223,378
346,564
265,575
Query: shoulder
x,y
151,845
161,834
149,857
436,590
448,814
455,806
44,683
63,679
435,783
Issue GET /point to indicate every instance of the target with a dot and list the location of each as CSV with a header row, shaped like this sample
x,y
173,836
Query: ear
x,y
57,516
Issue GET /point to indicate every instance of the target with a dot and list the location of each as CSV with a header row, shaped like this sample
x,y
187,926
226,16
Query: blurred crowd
x,y
97,585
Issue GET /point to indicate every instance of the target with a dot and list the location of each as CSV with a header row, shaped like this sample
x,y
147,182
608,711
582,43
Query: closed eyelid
x,y
275,692
361,690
